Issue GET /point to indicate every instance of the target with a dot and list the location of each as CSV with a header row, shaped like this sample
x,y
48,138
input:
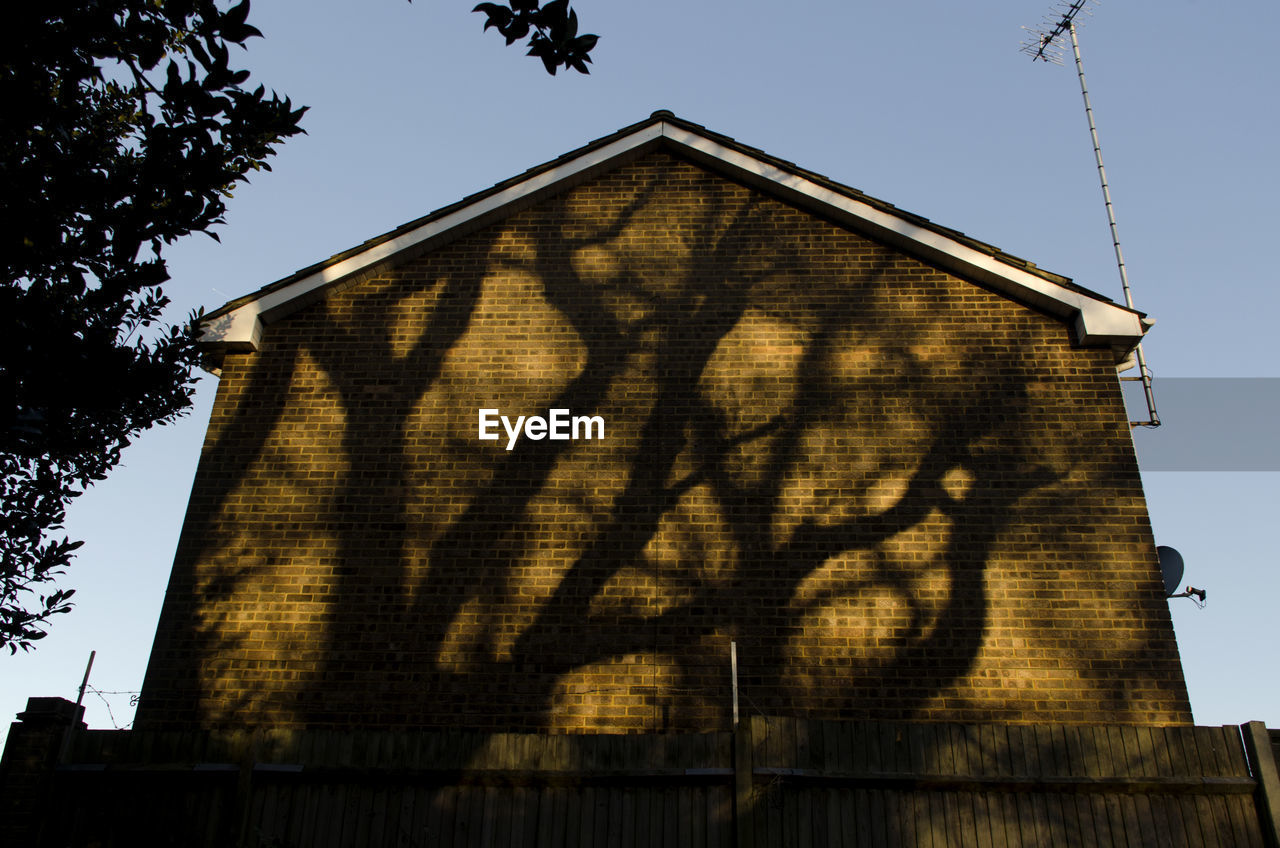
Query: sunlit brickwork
x,y
902,494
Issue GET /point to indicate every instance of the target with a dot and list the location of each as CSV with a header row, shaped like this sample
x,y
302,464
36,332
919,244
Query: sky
x,y
927,104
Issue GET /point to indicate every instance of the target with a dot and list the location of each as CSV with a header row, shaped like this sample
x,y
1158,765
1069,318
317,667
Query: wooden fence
x,y
776,782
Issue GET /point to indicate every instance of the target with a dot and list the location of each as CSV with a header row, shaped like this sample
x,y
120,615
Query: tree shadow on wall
x,y
783,462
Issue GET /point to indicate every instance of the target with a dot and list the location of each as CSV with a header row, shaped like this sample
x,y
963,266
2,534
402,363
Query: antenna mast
x,y
1045,44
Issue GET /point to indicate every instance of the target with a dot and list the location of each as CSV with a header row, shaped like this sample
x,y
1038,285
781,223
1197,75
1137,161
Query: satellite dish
x,y
1171,569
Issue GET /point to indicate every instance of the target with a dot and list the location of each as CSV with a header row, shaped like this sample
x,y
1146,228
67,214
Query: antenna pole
x,y
1145,374
1102,170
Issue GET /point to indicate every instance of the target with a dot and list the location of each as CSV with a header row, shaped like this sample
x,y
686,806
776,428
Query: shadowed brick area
x,y
903,495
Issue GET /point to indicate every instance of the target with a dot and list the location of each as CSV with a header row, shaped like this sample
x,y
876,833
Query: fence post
x,y
743,786
27,768
1262,764
247,745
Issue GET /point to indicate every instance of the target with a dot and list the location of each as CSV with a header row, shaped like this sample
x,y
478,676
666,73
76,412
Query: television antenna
x,y
1046,44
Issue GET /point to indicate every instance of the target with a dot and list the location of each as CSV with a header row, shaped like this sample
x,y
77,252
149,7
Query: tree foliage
x,y
126,126
554,29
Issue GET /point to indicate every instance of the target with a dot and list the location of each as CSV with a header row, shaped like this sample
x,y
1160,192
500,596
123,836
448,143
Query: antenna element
x,y
1046,44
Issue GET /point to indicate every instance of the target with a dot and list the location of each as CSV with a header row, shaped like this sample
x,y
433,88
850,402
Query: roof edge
x,y
1097,321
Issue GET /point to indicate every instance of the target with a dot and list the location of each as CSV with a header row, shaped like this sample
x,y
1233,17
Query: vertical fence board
x,y
1099,819
1134,833
1182,823
948,828
561,833
1221,817
923,803
1074,815
1208,833
801,734
671,830
499,810
1244,821
642,827
831,827
658,816
1148,819
587,816
263,809
1086,830
701,805
600,816
908,806
868,821
970,827
365,817
721,827
946,754
1115,820
415,817
1149,813
433,824
790,815
891,818
1233,756
1227,824
990,820
864,747
941,809
1207,741
1028,829
573,817
917,740
459,832
627,820
457,815
540,833
889,748
806,812
511,831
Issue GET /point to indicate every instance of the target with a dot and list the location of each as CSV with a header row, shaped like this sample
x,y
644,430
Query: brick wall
x,y
903,495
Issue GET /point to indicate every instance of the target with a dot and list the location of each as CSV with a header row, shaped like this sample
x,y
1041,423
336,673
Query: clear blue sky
x,y
926,104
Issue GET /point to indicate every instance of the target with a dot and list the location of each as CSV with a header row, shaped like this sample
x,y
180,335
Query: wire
x,y
133,702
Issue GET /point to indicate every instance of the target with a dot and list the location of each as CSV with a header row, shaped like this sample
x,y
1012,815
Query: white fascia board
x,y
1097,322
242,327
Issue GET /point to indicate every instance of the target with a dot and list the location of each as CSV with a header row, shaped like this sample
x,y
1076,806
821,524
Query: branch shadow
x,y
783,454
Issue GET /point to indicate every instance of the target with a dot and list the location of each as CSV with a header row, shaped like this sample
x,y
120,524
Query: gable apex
x,y
1095,319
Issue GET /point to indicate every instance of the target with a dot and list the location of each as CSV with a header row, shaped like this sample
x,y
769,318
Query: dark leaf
x,y
498,16
554,12
515,31
237,15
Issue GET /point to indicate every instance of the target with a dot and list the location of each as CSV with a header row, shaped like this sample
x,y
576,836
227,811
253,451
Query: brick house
x,y
888,461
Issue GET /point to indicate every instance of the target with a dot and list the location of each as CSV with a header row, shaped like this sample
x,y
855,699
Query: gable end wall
x,y
902,495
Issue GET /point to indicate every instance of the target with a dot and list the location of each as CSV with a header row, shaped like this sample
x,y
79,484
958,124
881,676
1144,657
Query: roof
x,y
1097,321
